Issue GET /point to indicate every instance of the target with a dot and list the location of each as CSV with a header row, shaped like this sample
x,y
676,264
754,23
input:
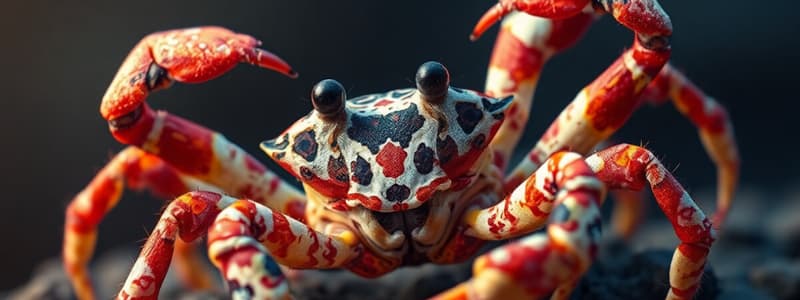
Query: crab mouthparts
x,y
405,221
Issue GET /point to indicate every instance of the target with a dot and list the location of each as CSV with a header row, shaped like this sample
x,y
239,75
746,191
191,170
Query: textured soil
x,y
757,256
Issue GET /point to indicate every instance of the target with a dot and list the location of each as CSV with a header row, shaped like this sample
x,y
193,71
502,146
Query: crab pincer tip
x,y
292,73
492,16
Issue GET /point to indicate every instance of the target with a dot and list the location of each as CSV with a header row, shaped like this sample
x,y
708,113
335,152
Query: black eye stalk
x,y
328,98
433,81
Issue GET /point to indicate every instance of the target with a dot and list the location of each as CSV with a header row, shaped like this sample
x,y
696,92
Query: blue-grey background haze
x,y
58,58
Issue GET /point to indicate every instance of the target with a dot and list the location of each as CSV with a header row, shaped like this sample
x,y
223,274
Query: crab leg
x,y
246,237
631,167
542,263
529,205
139,170
715,129
193,55
525,43
187,217
598,110
615,92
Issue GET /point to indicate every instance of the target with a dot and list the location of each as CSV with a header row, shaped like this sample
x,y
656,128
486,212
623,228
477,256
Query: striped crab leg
x,y
631,167
619,167
524,44
138,170
186,218
171,146
603,106
566,191
247,239
714,127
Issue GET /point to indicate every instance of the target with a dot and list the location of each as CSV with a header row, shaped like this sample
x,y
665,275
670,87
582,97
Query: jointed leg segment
x,y
714,127
566,192
246,237
631,167
171,155
138,170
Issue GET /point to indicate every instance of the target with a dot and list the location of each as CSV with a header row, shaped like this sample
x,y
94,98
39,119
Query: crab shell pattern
x,y
391,151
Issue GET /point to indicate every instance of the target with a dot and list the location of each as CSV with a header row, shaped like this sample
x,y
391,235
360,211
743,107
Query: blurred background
x,y
58,58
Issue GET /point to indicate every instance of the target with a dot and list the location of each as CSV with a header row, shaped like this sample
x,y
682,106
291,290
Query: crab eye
x,y
433,81
328,97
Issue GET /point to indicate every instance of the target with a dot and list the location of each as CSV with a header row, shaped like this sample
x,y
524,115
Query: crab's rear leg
x,y
186,217
566,191
138,170
631,167
714,127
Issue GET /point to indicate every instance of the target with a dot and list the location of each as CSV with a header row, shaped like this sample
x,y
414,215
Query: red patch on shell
x,y
383,102
371,202
391,158
424,193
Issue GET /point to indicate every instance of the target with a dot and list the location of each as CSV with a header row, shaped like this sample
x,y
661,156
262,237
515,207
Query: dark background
x,y
58,57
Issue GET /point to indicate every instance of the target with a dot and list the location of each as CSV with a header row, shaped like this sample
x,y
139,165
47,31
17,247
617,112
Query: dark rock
x,y
778,277
49,282
643,275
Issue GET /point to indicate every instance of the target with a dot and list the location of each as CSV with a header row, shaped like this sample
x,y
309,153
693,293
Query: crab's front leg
x,y
565,191
187,218
175,155
246,237
190,55
137,170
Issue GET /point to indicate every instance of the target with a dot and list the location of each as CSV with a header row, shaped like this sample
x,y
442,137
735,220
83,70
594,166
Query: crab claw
x,y
552,9
191,55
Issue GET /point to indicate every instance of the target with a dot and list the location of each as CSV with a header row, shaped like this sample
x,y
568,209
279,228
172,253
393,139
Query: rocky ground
x,y
757,256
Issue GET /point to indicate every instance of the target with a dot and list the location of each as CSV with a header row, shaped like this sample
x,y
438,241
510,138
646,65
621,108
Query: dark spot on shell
x,y
306,173
397,193
274,145
279,155
478,141
374,131
423,159
469,115
337,169
362,174
305,145
446,149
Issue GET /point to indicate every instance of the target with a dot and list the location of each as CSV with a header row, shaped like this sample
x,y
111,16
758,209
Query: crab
x,y
408,176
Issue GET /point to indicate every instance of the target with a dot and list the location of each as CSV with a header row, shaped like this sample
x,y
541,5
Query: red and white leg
x,y
631,167
246,237
193,55
604,105
565,191
524,44
173,151
188,218
138,170
714,127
